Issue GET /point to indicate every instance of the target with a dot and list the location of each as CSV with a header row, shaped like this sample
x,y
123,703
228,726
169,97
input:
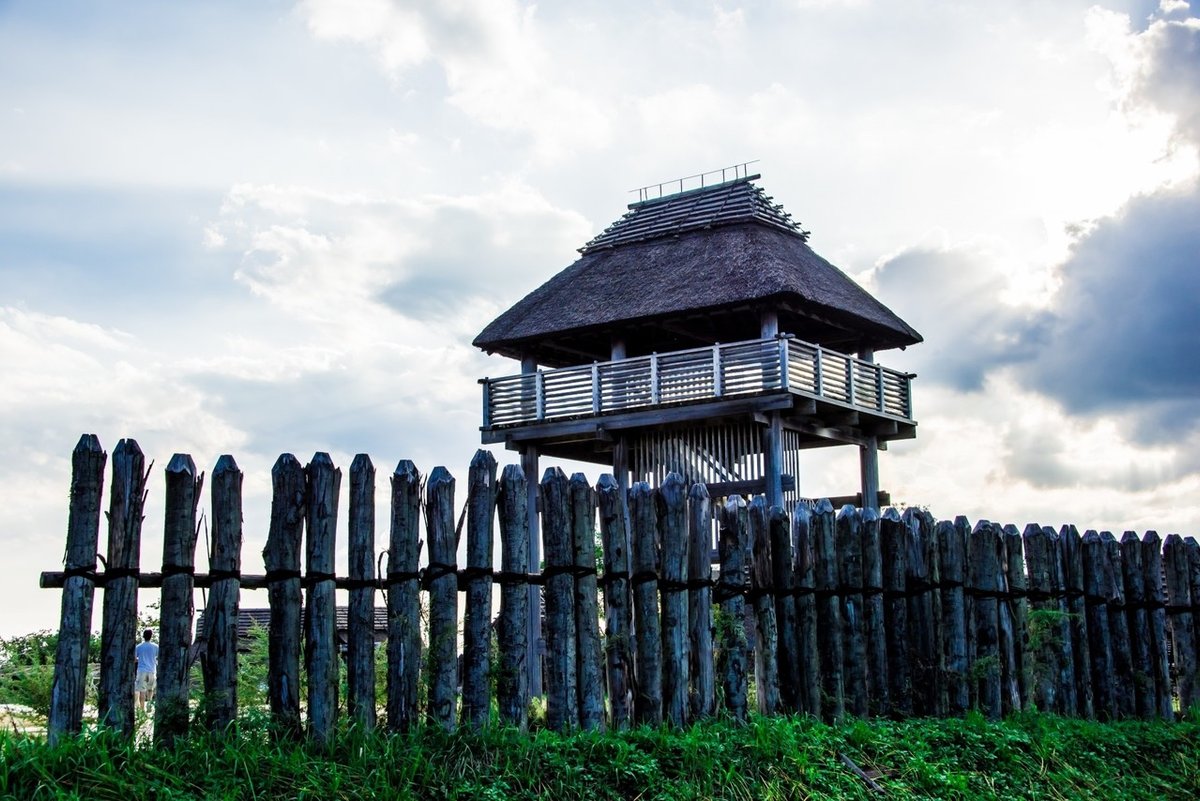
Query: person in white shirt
x,y
147,669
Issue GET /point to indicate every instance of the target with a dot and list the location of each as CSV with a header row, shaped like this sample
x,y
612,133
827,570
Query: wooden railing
x,y
700,374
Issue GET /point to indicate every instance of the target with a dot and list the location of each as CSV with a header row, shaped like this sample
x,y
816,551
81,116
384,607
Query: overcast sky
x,y
256,228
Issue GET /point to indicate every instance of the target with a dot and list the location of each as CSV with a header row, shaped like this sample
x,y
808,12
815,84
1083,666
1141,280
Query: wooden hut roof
x,y
681,271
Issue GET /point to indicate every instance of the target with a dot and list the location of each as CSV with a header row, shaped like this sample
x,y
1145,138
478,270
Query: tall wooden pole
x,y
281,556
618,612
404,602
674,597
443,597
221,614
588,653
647,702
477,619
74,631
562,691
700,635
868,455
360,650
320,624
512,682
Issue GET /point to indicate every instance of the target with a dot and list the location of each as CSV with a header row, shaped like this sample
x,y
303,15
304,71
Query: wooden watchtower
x,y
700,334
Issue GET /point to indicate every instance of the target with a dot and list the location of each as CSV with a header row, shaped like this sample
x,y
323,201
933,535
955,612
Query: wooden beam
x,y
756,486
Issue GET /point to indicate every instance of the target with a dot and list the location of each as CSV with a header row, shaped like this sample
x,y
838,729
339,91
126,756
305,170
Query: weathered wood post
x,y
117,637
730,594
1156,601
766,643
1072,565
360,651
806,610
1139,625
403,598
618,618
281,556
829,612
920,615
589,674
850,561
984,572
562,695
954,630
1010,680
1096,591
1183,635
221,614
962,527
1069,687
895,561
512,682
79,586
477,619
1118,623
441,580
1193,553
320,624
647,701
937,658
176,611
674,599
783,571
1044,626
700,634
873,614
1018,607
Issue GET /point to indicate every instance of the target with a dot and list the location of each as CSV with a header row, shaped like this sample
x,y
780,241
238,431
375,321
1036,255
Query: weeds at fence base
x,y
1027,756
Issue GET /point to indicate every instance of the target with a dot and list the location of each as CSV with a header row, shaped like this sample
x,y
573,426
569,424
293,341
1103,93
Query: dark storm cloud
x,y
1126,333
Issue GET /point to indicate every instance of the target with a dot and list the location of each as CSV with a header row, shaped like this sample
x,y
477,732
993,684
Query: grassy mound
x,y
1031,756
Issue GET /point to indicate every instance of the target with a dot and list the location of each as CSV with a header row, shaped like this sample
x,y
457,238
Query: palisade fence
x,y
849,613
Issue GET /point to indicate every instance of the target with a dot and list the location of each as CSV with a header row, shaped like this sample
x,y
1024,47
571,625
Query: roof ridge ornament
x,y
734,172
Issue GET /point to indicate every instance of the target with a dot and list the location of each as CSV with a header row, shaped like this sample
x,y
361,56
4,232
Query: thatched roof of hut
x,y
692,269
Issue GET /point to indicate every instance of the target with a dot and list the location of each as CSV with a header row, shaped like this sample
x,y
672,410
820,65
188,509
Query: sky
x,y
258,228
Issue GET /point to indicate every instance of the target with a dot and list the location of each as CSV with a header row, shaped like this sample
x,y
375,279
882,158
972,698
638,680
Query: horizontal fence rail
x,y
837,612
700,374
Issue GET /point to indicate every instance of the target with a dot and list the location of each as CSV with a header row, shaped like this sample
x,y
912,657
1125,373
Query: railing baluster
x,y
487,402
783,364
850,382
654,390
595,387
539,391
879,387
818,390
718,389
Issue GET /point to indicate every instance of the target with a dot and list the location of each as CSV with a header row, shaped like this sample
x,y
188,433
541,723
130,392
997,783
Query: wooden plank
x,y
783,575
806,611
176,610
953,610
590,666
221,614
766,641
1068,687
320,613
477,619
850,561
1183,635
1118,622
920,615
1139,625
895,558
1044,624
1010,672
1018,608
75,620
875,617
618,618
982,583
829,612
360,651
512,680
562,696
700,602
1156,599
734,548
647,701
403,598
1096,575
443,598
282,559
117,635
676,645
1072,571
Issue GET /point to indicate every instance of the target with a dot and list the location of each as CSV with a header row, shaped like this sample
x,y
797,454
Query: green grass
x,y
1030,756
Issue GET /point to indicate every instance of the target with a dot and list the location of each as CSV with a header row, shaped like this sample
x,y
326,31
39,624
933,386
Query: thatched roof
x,y
692,269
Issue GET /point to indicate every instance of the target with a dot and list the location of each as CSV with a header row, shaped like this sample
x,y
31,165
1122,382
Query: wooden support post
x,y
320,621
282,560
442,581
954,630
806,611
647,700
1118,624
562,693
176,612
962,527
850,562
1183,635
1010,670
700,635
534,645
512,682
1156,600
783,574
868,456
773,456
731,596
477,619
221,614
618,618
360,652
983,575
403,596
673,595
1139,625
1096,576
762,589
117,636
589,673
922,659
1072,566
874,616
829,612
1068,686
1018,609
75,622
895,560
1044,627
